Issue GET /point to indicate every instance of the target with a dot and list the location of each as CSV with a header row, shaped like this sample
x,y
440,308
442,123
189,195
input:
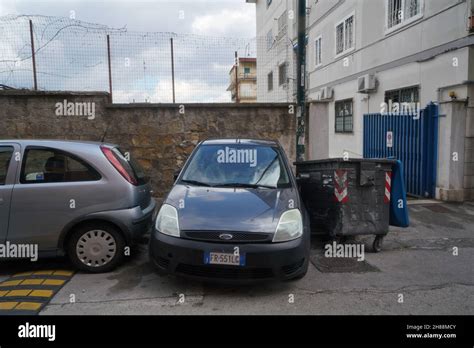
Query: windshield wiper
x,y
237,184
195,182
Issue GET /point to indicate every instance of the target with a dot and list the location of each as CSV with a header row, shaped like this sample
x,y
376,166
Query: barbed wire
x,y
73,55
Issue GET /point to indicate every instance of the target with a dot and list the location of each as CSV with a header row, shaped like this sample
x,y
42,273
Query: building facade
x,y
243,81
276,38
363,56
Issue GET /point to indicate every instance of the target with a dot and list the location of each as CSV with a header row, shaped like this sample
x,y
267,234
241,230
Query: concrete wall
x,y
399,59
455,176
158,136
317,130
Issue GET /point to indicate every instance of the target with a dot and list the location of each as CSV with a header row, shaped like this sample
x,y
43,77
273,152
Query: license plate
x,y
215,258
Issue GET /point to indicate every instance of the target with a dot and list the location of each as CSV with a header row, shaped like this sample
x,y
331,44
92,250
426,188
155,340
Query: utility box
x,y
347,197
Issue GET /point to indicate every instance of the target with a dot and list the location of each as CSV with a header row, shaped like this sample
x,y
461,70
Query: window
x,y
282,22
401,11
246,70
5,157
344,117
282,76
42,165
269,39
270,81
317,46
345,35
403,95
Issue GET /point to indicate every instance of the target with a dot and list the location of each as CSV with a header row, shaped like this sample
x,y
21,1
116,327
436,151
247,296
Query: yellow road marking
x,y
32,281
19,287
19,292
42,293
10,283
7,305
64,273
43,273
53,282
32,306
23,274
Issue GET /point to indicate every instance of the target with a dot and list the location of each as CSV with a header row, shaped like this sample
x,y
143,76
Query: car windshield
x,y
237,165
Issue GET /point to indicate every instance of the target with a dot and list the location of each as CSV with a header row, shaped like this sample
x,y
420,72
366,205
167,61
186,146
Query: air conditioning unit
x,y
366,84
325,93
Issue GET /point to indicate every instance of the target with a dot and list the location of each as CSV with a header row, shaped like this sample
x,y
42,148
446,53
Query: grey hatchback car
x,y
84,199
234,214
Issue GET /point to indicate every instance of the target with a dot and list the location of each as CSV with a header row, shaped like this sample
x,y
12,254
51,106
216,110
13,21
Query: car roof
x,y
233,141
53,142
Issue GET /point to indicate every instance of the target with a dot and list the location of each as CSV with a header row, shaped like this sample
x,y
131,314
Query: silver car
x,y
87,200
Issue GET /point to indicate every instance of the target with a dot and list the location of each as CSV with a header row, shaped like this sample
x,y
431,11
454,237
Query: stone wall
x,y
159,136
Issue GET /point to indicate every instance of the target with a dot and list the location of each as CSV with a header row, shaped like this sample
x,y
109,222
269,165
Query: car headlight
x,y
167,221
289,227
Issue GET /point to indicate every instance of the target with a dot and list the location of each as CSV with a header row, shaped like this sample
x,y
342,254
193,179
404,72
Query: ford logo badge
x,y
226,236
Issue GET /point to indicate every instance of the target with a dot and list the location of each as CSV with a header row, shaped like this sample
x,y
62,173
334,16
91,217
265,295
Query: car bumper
x,y
264,261
134,222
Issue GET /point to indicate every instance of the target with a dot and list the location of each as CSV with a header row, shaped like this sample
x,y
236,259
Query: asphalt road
x,y
416,273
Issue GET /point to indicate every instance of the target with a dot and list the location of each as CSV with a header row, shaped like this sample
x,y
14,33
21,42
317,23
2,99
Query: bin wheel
x,y
377,245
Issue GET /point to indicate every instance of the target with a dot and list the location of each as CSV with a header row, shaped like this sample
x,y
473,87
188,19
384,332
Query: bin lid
x,y
351,160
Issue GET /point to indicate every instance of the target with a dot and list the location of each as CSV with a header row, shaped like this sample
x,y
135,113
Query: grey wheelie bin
x,y
347,197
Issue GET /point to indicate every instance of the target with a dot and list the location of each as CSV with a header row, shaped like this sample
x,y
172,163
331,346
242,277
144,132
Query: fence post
x,y
172,68
236,78
110,68
33,55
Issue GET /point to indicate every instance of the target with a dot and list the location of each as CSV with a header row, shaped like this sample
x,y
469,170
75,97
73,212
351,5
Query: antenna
x,y
105,133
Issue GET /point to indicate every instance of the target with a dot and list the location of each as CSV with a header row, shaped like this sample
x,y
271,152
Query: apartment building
x,y
243,80
276,32
363,56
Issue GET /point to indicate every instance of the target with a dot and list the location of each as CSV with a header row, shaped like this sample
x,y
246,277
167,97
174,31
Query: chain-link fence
x,y
51,53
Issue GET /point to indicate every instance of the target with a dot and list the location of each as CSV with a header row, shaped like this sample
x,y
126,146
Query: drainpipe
x,y
300,89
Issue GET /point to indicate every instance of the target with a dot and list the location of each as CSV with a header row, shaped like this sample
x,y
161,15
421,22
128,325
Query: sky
x,y
234,18
205,33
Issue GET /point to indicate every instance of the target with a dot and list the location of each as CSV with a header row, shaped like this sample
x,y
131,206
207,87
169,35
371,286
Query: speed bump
x,y
27,293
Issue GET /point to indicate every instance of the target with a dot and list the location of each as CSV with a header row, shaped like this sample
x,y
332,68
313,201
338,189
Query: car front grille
x,y
161,261
224,272
237,237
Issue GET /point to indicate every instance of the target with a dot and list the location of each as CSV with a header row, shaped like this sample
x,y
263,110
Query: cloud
x,y
228,22
187,91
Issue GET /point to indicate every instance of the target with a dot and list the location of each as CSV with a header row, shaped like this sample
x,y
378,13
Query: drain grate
x,y
341,265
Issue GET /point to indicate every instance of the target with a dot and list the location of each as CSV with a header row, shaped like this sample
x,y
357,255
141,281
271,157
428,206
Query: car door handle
x,y
1,200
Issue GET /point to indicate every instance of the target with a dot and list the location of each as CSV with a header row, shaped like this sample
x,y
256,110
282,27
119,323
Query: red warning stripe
x,y
388,187
341,193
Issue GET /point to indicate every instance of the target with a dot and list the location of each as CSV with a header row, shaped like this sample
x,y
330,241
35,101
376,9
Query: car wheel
x,y
378,243
96,248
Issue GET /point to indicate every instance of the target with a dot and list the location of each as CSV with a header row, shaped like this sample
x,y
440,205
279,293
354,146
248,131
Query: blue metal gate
x,y
411,138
